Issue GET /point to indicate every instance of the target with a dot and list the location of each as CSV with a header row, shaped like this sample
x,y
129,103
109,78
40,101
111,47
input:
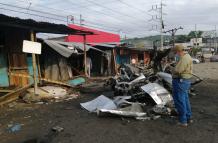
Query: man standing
x,y
181,84
89,66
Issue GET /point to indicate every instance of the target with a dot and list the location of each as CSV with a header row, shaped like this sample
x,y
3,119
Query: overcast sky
x,y
126,17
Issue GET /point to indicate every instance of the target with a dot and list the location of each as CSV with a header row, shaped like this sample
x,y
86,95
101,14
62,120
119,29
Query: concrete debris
x,y
54,91
48,94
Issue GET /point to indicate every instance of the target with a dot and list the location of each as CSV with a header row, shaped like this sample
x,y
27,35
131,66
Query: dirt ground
x,y
83,127
206,70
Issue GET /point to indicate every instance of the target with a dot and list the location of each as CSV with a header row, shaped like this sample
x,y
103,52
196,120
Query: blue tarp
x,y
77,81
4,80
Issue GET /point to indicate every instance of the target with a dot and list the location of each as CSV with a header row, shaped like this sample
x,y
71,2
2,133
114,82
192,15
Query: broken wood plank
x,y
5,90
12,96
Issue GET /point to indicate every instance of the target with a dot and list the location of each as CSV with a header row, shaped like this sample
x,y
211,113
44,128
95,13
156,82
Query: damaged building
x,y
16,67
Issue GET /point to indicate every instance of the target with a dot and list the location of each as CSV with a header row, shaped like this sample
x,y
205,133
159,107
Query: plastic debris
x,y
77,81
14,128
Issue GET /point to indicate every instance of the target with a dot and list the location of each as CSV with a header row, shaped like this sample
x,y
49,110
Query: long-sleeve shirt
x,y
184,67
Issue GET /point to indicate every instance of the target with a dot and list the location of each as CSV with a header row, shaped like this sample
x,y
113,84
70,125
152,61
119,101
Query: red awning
x,y
98,37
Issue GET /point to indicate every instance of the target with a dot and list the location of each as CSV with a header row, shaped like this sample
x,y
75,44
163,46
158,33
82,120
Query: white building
x,y
196,42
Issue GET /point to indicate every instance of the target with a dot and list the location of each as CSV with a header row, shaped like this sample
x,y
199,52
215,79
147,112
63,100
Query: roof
x,y
66,49
98,37
42,27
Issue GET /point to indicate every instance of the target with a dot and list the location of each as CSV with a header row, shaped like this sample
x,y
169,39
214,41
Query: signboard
x,y
32,47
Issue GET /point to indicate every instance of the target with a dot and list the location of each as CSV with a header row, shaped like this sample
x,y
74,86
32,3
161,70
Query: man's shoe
x,y
182,124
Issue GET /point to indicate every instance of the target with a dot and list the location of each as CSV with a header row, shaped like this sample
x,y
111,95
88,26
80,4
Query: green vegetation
x,y
178,38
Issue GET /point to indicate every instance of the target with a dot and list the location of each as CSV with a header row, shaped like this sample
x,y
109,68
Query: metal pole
x,y
215,40
173,36
34,65
196,37
161,24
85,55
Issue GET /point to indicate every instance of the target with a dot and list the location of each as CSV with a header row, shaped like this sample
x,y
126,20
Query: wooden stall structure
x,y
16,66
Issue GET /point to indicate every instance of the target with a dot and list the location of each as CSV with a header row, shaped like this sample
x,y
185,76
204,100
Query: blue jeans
x,y
181,99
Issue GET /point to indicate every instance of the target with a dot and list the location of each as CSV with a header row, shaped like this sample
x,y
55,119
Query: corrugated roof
x,y
63,47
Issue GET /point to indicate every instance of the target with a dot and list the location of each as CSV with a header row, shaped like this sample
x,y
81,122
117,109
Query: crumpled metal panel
x,y
158,93
167,77
121,100
141,77
135,110
101,102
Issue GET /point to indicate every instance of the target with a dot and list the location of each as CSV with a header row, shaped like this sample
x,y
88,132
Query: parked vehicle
x,y
214,58
195,61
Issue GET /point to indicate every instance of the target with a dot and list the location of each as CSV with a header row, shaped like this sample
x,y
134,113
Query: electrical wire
x,y
32,10
37,11
114,11
134,7
86,20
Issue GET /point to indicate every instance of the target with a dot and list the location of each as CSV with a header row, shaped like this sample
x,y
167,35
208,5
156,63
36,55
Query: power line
x,y
102,13
38,12
32,10
134,7
47,17
173,33
111,9
77,4
55,19
33,14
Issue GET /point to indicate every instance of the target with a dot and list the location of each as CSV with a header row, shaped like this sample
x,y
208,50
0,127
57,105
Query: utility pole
x,y
34,66
196,37
215,35
158,18
173,33
70,19
161,25
81,20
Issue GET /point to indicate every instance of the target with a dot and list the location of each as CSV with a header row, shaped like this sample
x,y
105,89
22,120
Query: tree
x,y
193,34
182,39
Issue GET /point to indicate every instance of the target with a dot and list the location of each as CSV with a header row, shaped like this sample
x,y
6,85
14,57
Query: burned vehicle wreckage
x,y
140,92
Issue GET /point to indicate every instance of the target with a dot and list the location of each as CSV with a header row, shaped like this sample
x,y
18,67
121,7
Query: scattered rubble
x,y
57,129
48,94
137,94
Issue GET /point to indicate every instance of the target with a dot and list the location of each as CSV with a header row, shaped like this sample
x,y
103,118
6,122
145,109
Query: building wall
x,y
16,60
